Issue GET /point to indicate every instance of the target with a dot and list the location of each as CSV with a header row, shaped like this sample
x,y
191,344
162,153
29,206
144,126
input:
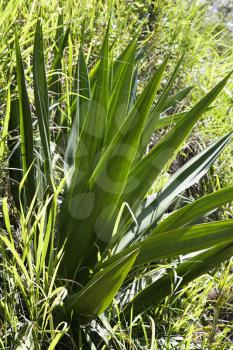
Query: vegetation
x,y
95,235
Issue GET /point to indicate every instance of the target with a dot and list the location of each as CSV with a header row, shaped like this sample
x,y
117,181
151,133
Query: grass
x,y
198,318
28,294
201,314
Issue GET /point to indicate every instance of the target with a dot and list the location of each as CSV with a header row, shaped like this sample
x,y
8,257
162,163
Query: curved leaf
x,y
96,296
195,210
179,241
148,169
187,271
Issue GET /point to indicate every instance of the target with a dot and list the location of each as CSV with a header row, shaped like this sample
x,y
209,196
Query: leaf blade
x,y
187,271
148,169
195,210
42,100
26,127
179,241
96,296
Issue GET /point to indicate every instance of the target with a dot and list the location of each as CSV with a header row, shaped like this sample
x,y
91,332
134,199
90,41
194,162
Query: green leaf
x,y
92,135
160,106
195,210
56,64
124,145
133,93
187,271
26,128
42,101
82,106
15,165
179,241
109,178
54,81
97,295
106,186
119,101
119,63
86,158
83,91
173,99
189,174
148,169
163,122
185,240
94,71
155,205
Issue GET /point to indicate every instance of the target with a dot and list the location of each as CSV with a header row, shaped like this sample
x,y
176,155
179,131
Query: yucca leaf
x,y
187,271
154,206
163,104
179,241
147,170
26,128
133,93
106,186
97,295
173,99
158,109
83,90
120,97
82,106
170,119
195,210
54,82
119,63
81,84
94,126
186,240
56,64
163,122
60,29
128,135
94,70
189,174
93,74
86,158
42,101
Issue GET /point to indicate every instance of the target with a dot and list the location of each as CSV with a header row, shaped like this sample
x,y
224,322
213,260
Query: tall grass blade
x,y
42,101
26,128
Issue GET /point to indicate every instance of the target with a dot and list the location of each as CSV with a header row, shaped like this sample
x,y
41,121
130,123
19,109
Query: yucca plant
x,y
111,230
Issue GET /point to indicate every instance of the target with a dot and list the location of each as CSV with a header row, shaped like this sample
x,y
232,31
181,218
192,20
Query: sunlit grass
x,y
190,321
